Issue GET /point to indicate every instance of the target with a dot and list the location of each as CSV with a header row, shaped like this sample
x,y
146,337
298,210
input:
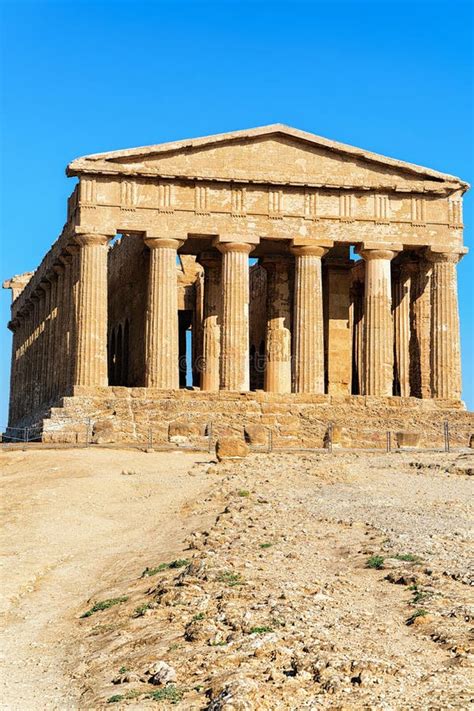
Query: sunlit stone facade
x,y
298,265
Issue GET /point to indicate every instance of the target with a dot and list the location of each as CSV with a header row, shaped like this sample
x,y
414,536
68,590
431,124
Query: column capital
x,y
376,253
91,238
65,259
446,256
58,267
162,243
13,324
72,248
300,247
242,247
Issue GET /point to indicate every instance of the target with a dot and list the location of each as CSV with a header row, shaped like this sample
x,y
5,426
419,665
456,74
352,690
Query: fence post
x,y
446,436
209,434
26,434
89,432
389,442
150,438
330,438
270,440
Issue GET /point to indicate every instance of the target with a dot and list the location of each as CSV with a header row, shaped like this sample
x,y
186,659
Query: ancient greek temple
x,y
234,273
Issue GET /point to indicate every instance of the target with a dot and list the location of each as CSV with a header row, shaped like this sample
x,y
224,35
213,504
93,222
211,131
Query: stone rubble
x,y
277,605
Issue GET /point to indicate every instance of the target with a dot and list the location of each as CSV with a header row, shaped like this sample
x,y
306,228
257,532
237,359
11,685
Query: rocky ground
x,y
326,581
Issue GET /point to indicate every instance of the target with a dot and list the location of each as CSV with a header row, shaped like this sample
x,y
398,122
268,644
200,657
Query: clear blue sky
x,y
83,77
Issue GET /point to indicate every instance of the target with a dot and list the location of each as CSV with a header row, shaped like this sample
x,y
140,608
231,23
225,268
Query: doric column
x,y
378,328
64,327
34,371
91,326
23,401
420,339
51,365
308,326
235,315
58,327
401,290
210,369
161,346
15,328
73,250
278,330
445,345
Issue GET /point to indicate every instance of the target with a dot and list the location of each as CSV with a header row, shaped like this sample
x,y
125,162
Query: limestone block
x,y
231,448
186,429
103,432
408,439
256,434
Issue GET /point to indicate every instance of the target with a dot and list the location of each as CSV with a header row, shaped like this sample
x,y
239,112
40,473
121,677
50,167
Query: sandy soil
x,y
73,523
273,606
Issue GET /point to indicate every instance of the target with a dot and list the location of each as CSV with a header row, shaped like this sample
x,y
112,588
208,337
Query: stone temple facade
x,y
263,277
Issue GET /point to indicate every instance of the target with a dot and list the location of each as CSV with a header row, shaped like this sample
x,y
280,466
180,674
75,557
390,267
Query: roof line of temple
x,y
80,164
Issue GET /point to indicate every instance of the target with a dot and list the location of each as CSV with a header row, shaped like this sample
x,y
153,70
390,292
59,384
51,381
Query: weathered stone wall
x,y
132,414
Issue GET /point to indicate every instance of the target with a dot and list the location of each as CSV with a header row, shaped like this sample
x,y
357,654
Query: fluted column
x,y
308,326
25,401
64,326
378,328
162,346
210,369
401,289
235,373
34,371
15,327
420,340
73,250
278,330
91,326
445,344
56,361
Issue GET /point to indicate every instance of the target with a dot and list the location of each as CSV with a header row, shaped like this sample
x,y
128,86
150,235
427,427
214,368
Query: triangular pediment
x,y
275,154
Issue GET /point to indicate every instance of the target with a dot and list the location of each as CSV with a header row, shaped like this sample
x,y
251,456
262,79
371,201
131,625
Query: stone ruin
x,y
266,277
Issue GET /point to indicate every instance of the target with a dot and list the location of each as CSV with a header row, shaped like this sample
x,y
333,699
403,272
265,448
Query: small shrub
x,y
261,630
418,613
123,670
141,609
408,557
419,595
104,605
179,563
243,493
171,693
115,698
266,545
199,616
229,578
375,561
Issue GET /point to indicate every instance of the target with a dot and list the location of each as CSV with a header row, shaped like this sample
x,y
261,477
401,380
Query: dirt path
x,y
74,523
